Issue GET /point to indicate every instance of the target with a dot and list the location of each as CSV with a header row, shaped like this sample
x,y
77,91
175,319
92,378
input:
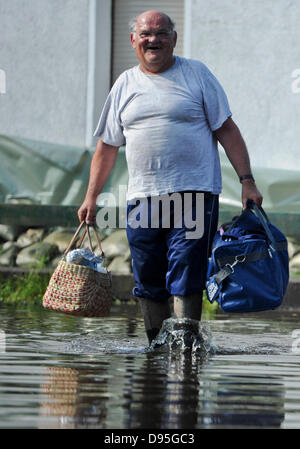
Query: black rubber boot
x,y
154,313
188,306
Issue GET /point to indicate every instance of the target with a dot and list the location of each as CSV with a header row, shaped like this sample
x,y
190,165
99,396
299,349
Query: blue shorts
x,y
165,262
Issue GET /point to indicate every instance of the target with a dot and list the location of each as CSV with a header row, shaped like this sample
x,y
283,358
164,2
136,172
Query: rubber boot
x,y
154,313
188,306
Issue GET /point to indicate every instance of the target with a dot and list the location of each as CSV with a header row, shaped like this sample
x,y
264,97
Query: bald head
x,y
153,38
150,15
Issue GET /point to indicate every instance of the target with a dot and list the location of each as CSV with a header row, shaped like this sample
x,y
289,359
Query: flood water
x,y
59,371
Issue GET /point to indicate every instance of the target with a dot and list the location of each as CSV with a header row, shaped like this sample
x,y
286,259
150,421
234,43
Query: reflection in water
x,y
239,405
168,391
76,402
61,390
61,372
164,394
172,392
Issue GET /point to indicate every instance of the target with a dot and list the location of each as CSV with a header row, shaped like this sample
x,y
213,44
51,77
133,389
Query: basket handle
x,y
74,238
86,231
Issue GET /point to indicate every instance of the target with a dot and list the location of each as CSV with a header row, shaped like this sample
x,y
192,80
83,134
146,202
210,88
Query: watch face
x,y
246,177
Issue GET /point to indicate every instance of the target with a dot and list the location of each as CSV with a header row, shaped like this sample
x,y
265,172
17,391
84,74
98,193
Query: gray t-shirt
x,y
166,122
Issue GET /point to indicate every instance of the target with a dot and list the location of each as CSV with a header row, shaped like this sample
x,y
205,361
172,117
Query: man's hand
x,y
250,192
87,211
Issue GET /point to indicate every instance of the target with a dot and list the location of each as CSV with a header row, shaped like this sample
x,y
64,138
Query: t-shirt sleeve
x,y
215,101
109,127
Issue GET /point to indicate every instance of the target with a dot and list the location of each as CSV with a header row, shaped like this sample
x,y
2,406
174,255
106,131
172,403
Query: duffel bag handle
x,y
86,231
263,218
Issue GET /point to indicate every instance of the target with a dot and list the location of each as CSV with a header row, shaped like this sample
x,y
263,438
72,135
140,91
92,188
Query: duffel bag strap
x,y
223,274
251,257
214,282
263,218
228,267
228,263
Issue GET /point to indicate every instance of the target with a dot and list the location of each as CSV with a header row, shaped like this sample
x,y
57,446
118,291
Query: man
x,y
170,112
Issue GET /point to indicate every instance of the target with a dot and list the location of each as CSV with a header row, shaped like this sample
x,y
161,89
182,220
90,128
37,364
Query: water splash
x,y
102,345
187,336
176,335
184,335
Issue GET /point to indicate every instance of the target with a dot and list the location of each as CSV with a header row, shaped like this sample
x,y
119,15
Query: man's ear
x,y
175,38
132,39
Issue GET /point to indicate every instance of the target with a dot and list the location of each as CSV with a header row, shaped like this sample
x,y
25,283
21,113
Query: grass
x,y
207,307
27,289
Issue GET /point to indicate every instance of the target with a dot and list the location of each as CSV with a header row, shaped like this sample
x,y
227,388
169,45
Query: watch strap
x,y
249,176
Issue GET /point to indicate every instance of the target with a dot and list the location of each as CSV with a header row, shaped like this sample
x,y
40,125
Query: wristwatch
x,y
242,178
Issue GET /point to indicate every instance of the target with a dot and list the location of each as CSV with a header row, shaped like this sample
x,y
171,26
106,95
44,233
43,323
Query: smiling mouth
x,y
153,48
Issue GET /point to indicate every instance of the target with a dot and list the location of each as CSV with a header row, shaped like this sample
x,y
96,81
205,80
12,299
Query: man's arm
x,y
102,163
235,148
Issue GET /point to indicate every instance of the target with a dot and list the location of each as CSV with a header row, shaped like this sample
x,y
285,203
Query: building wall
x,y
252,47
44,53
56,59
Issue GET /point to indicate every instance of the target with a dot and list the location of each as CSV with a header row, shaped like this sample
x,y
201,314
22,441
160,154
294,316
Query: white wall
x,y
56,59
253,48
44,53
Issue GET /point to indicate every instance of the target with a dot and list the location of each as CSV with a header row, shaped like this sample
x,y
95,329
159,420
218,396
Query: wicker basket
x,y
79,290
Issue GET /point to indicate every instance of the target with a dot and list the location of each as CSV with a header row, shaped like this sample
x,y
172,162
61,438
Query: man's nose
x,y
153,37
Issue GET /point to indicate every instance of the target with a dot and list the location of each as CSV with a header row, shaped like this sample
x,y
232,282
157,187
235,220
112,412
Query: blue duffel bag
x,y
248,270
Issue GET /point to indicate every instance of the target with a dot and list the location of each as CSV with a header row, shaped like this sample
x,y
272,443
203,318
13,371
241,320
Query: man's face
x,y
154,43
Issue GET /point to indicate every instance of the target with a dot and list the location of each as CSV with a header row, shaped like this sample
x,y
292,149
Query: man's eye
x,y
144,34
